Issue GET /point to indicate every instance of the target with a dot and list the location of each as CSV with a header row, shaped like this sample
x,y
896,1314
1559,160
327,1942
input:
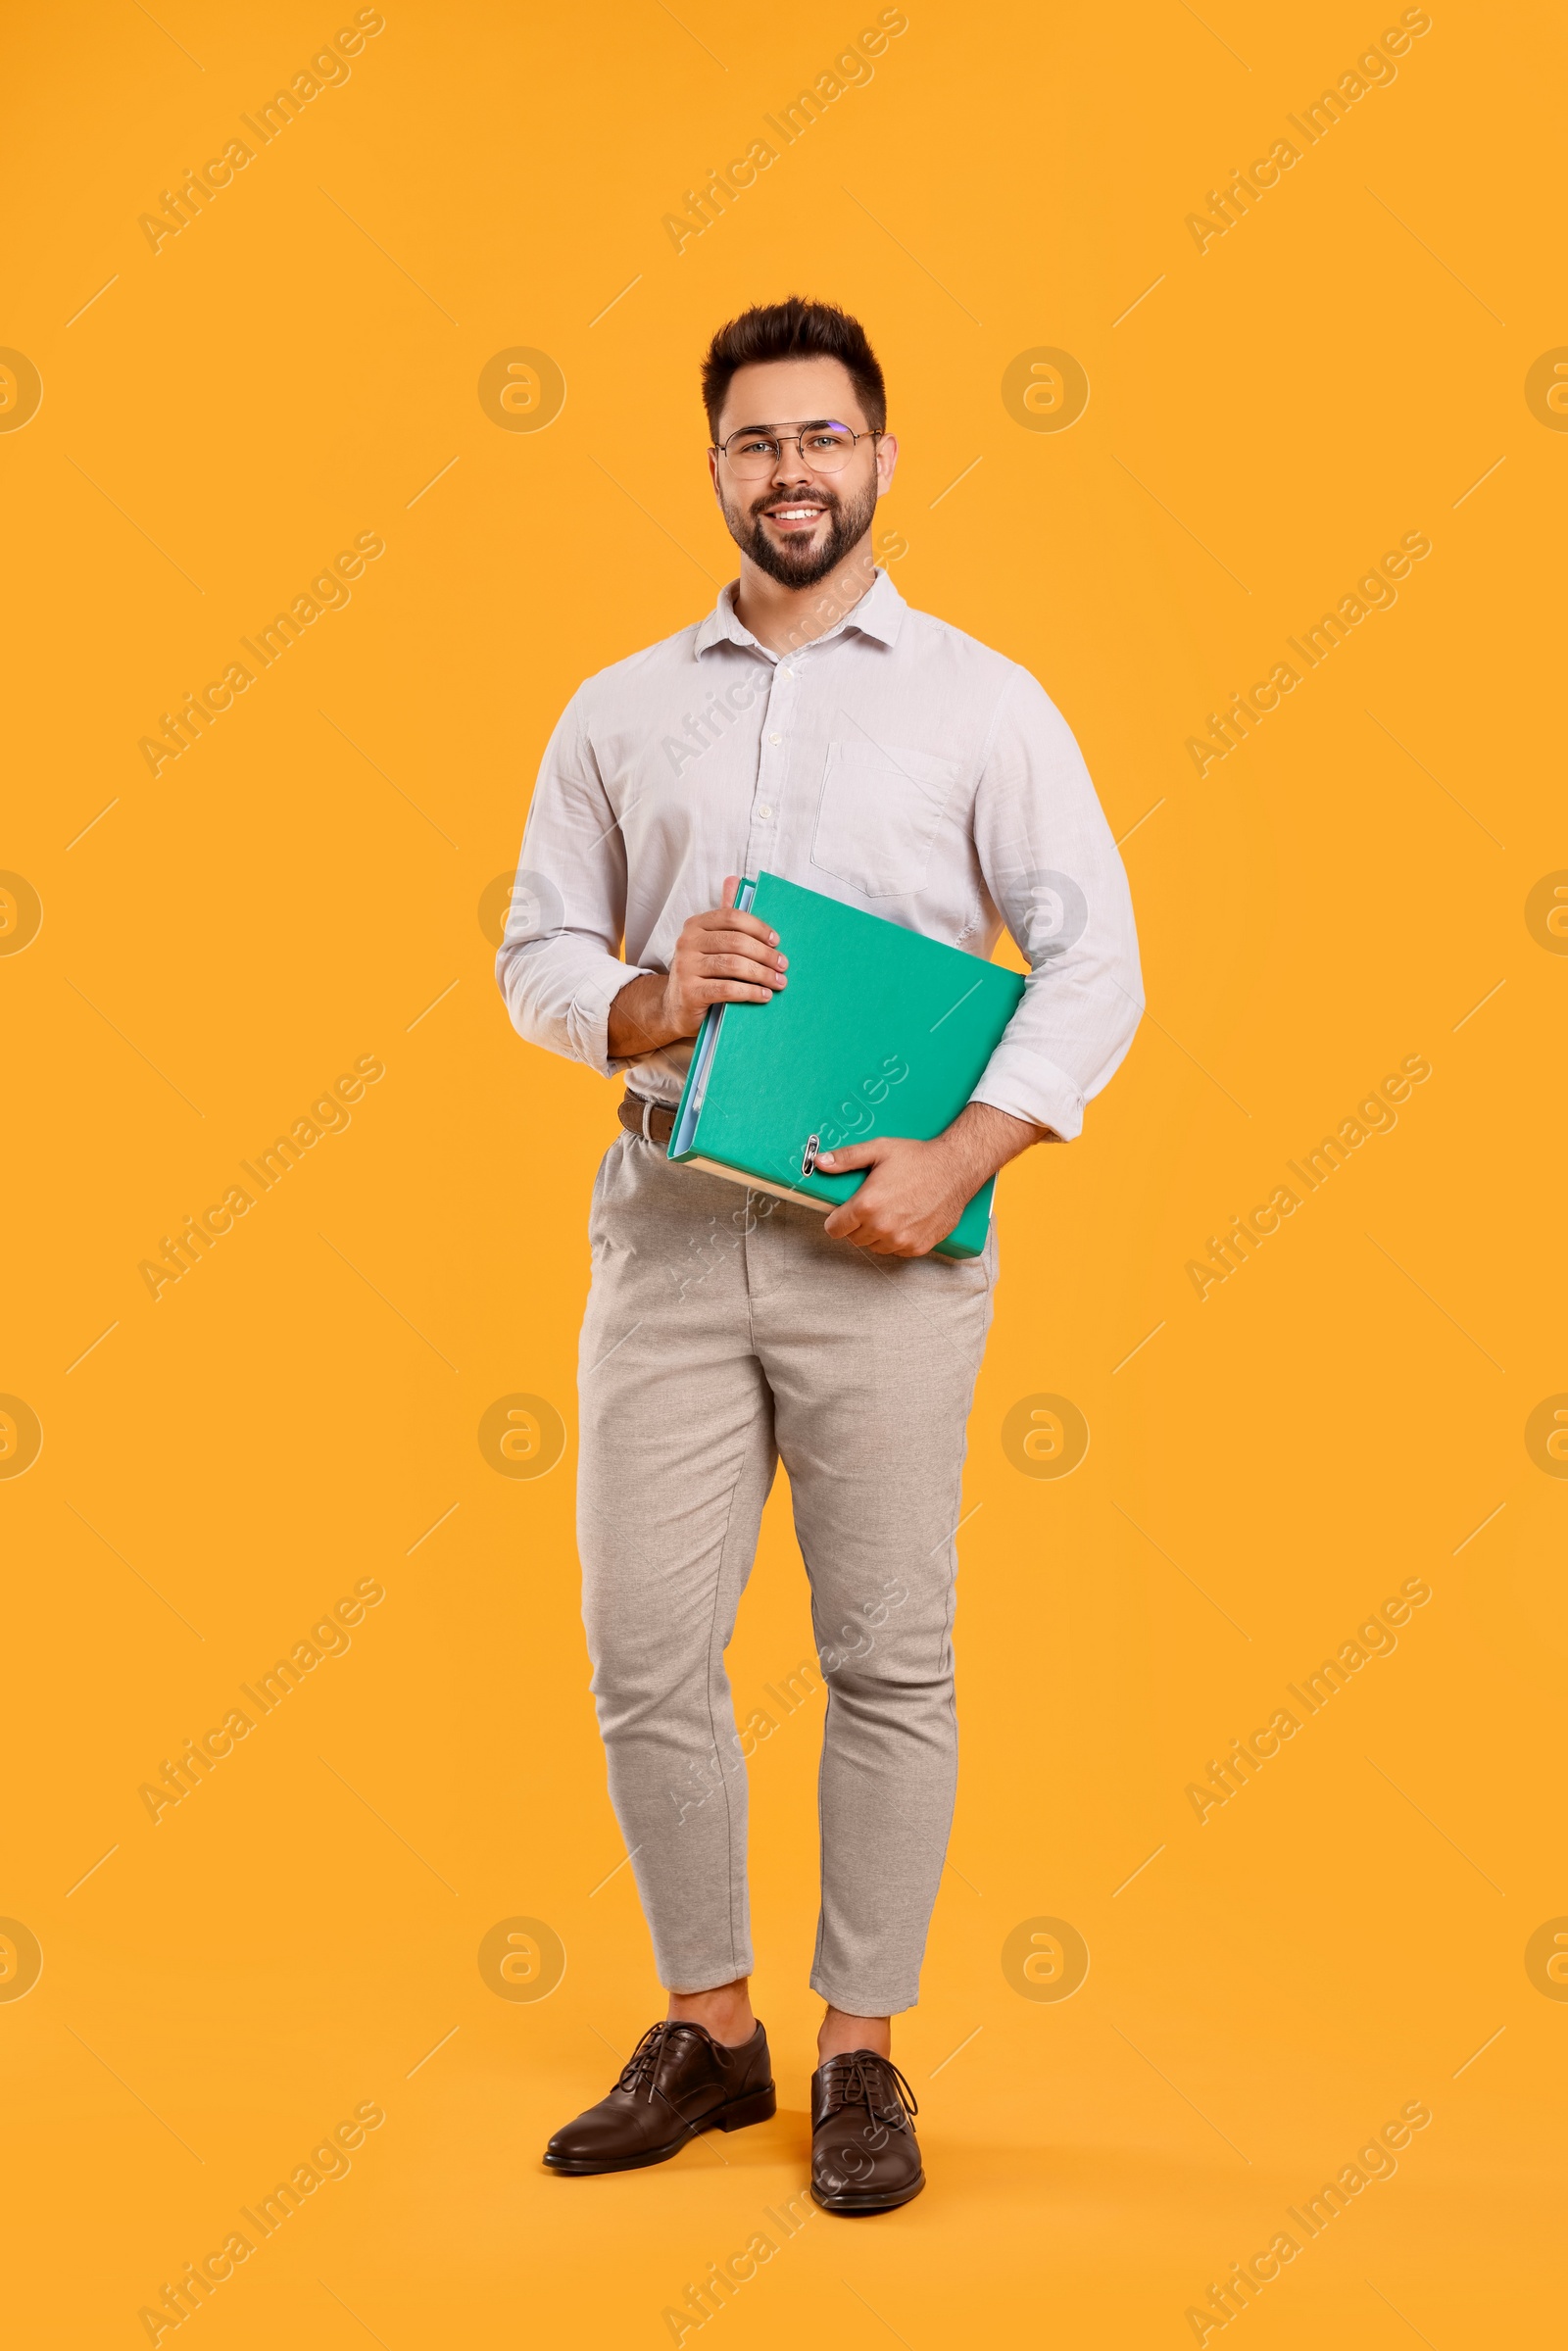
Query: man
x,y
812,724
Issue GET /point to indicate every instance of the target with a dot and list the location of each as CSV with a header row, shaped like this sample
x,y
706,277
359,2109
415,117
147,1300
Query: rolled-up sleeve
x,y
1058,884
560,967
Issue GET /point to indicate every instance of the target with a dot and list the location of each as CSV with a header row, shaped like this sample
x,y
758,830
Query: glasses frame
x,y
722,448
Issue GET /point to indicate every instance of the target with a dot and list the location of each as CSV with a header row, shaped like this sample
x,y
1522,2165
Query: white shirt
x,y
892,763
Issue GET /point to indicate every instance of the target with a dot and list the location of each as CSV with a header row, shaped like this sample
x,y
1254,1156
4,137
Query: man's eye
x,y
753,447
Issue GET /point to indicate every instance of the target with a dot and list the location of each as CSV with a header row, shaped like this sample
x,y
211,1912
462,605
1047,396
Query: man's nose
x,y
790,467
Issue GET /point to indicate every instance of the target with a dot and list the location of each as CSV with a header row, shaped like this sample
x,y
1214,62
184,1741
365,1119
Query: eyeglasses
x,y
826,448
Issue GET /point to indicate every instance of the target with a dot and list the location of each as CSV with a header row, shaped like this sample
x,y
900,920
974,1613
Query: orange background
x,y
300,888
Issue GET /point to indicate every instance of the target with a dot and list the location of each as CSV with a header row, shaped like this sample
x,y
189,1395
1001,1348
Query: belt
x,y
645,1118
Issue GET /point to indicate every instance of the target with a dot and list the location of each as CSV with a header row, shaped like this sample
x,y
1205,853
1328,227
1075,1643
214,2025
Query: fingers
x,y
854,1220
845,1225
704,980
725,919
730,992
877,1244
851,1220
723,958
733,966
727,958
854,1156
700,945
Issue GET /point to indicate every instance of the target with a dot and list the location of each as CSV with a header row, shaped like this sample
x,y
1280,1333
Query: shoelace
x,y
642,2066
859,2080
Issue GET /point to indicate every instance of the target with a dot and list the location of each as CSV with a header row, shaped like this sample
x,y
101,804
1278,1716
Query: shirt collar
x,y
879,614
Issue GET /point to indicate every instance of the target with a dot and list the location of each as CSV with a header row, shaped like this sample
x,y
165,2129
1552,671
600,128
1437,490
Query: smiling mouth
x,y
794,518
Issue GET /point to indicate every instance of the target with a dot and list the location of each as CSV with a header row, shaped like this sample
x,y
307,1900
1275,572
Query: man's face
x,y
797,526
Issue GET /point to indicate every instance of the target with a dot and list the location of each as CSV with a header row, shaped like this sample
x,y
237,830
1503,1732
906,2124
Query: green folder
x,y
880,1031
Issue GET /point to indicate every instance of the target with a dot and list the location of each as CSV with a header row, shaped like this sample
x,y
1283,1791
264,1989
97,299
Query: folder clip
x,y
809,1156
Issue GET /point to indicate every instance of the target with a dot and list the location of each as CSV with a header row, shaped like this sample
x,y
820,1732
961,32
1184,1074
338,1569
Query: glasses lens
x,y
751,456
825,448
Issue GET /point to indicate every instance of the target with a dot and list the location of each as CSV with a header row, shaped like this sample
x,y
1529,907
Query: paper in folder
x,y
880,1031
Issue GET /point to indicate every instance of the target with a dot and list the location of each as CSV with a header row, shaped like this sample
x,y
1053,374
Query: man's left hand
x,y
911,1201
916,1192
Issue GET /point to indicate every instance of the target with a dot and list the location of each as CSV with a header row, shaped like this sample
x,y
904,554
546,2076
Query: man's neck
x,y
785,619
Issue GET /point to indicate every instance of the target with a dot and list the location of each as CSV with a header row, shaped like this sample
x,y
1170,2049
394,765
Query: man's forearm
x,y
982,1140
638,1021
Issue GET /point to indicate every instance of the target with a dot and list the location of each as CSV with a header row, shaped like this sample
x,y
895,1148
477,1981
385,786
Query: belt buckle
x,y
647,1112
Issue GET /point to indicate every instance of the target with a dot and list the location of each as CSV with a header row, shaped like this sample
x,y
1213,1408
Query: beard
x,y
797,563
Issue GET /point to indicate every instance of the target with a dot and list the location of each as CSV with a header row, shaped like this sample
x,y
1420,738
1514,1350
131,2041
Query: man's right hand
x,y
720,958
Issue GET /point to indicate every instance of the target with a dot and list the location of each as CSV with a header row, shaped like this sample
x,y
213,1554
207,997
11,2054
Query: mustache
x,y
827,499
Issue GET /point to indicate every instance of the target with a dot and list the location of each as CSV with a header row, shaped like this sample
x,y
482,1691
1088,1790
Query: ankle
x,y
725,2013
842,2031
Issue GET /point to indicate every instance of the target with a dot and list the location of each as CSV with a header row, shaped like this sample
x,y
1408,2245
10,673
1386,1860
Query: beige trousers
x,y
725,1332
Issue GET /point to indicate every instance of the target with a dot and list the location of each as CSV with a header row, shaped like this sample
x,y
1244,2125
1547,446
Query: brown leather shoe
x,y
865,2155
677,2081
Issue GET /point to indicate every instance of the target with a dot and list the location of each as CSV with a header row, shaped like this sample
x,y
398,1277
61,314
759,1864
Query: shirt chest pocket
x,y
878,815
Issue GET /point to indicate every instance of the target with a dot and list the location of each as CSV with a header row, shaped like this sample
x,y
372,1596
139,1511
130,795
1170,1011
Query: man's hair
x,y
794,330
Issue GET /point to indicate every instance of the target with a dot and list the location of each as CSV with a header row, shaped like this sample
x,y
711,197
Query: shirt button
x,y
764,812
775,737
786,671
